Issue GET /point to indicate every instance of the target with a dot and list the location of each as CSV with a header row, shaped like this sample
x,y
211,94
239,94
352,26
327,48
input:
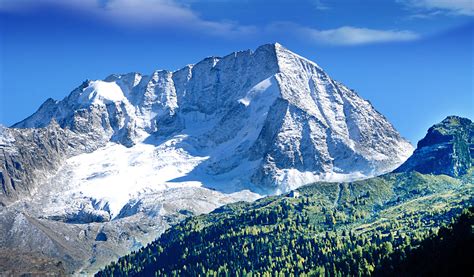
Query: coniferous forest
x,y
406,224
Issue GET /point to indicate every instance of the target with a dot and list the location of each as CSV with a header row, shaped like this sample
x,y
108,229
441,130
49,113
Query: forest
x,y
388,225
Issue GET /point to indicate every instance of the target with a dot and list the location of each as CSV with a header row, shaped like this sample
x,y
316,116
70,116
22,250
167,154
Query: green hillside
x,y
449,253
326,229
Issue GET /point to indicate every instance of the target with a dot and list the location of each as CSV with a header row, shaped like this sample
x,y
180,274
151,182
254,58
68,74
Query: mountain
x,y
267,120
365,227
447,148
111,166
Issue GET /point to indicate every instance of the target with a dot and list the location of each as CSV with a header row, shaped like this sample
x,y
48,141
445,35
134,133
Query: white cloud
x,y
346,35
458,7
137,13
352,35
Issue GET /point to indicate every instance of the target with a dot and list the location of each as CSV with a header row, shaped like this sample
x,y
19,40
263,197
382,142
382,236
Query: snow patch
x,y
101,93
115,174
6,137
291,179
256,91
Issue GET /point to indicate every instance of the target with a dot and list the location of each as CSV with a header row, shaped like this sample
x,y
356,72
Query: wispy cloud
x,y
453,7
137,13
166,13
320,5
346,35
425,14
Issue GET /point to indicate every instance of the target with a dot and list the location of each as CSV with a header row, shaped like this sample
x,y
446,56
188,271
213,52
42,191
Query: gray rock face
x,y
29,156
83,247
18,263
447,148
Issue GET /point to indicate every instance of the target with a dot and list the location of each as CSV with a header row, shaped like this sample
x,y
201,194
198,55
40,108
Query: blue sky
x,y
412,59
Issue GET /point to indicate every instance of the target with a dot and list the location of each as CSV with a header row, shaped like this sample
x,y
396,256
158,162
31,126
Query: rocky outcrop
x,y
447,148
29,156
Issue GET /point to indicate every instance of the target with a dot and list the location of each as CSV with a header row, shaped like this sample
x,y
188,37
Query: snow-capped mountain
x,y
270,113
250,123
267,121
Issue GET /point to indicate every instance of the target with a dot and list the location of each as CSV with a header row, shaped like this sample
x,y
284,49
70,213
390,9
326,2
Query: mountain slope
x,y
344,229
447,253
447,148
29,157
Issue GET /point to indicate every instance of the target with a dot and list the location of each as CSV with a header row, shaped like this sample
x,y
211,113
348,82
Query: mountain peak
x,y
268,118
446,131
274,45
452,123
447,149
280,52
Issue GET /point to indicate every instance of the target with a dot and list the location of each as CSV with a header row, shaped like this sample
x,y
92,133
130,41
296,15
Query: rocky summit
x,y
447,148
118,160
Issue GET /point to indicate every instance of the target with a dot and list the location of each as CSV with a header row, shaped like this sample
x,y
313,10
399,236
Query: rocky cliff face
x,y
447,148
30,156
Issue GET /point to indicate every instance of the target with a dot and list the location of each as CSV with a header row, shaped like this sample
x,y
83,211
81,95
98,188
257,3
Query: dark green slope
x,y
449,253
335,229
